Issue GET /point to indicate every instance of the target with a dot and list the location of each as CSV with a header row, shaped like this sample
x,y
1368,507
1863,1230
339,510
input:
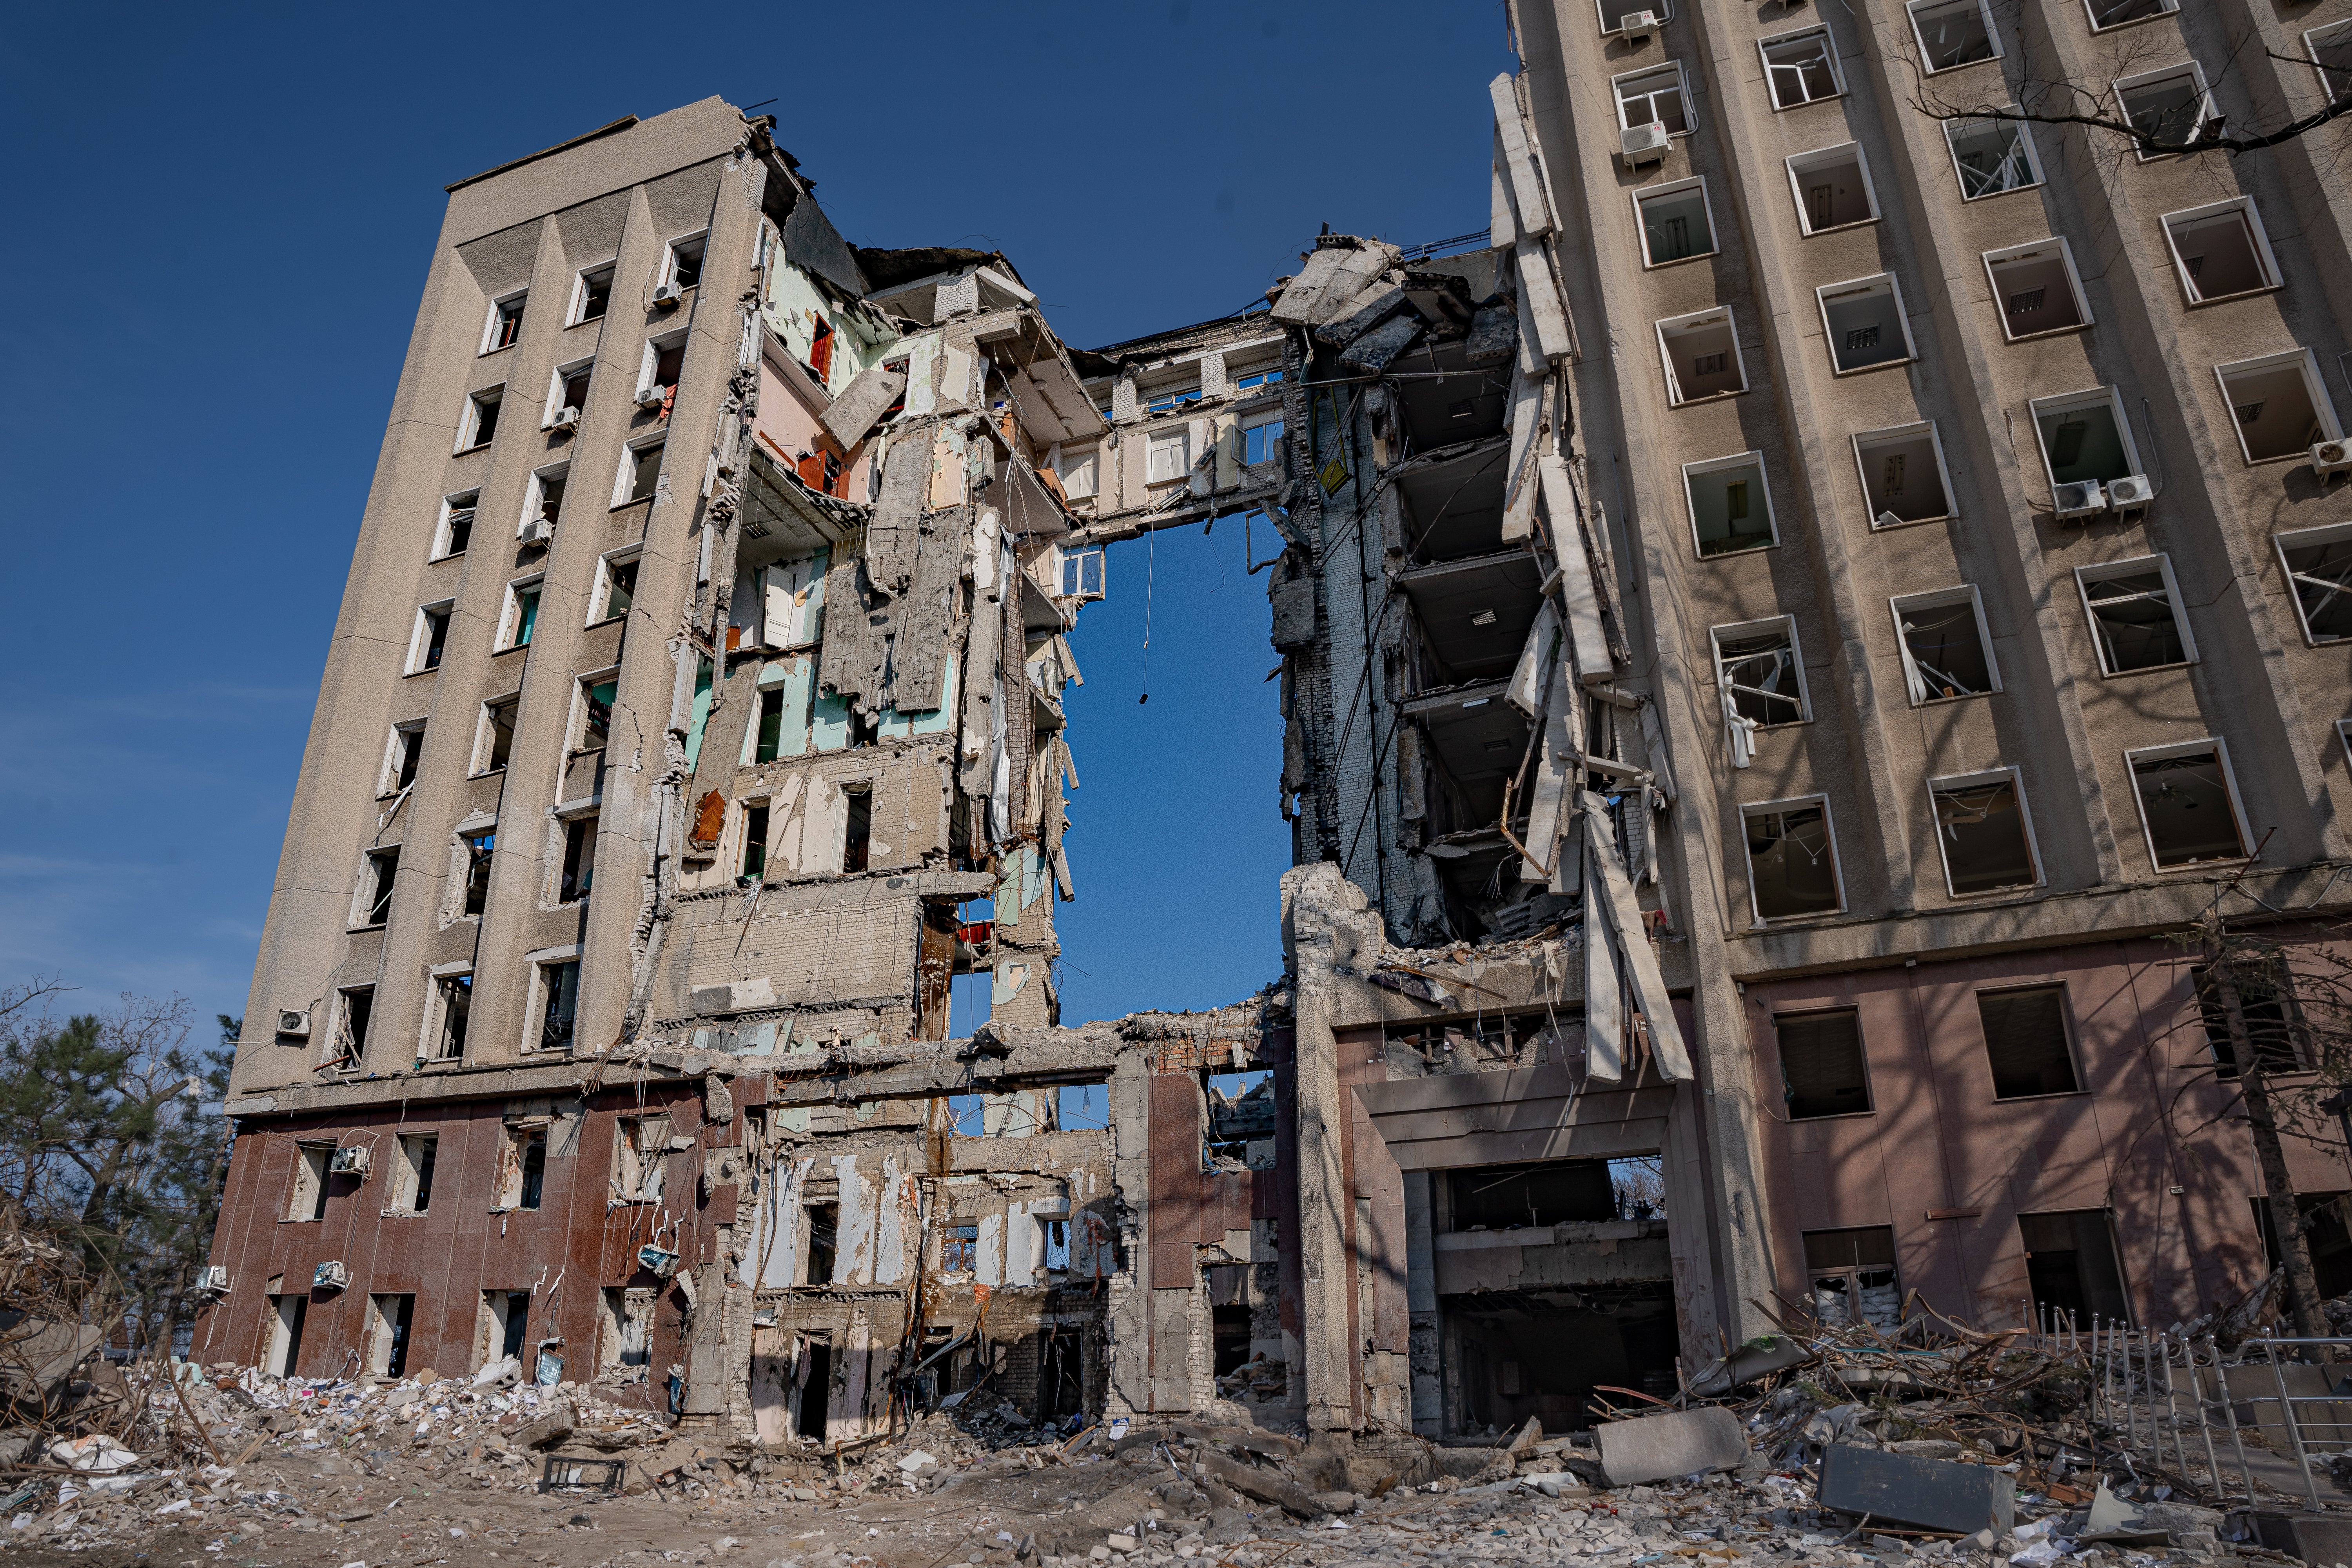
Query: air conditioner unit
x,y
297,1023
1639,27
330,1276
213,1279
2130,493
351,1160
668,296
569,419
2331,456
653,396
1644,144
2080,498
535,531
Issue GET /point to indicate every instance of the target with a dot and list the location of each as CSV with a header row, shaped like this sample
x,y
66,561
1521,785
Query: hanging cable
x,y
1150,561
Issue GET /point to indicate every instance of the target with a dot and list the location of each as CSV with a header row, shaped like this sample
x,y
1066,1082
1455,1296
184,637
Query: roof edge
x,y
602,131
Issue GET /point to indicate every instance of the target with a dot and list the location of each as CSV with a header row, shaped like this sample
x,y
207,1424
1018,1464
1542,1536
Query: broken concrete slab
x,y
1772,1352
1678,1443
1371,352
1295,305
1266,1486
1374,304
551,1427
1494,332
2314,1538
863,401
1926,1494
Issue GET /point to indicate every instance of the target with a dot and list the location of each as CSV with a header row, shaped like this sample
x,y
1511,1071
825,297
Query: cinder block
x,y
1928,1494
1682,1443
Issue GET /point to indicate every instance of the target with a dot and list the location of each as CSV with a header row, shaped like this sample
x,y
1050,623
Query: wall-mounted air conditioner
x,y
2080,498
565,420
351,1160
1639,27
667,296
535,531
295,1023
2130,493
2331,458
330,1276
1644,144
652,397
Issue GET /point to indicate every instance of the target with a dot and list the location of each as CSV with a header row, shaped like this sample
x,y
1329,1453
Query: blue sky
x,y
222,222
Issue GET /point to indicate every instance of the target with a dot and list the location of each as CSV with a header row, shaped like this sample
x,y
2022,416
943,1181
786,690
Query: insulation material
x,y
1528,687
1625,924
1531,201
1588,643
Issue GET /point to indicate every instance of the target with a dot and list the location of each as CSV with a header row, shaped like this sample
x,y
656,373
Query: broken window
x,y
2318,564
1792,869
595,716
307,1199
505,325
353,1007
2071,1269
1240,1123
2168,108
502,1327
1821,1071
591,294
1261,438
558,1005
1833,189
2331,53
2221,250
1082,1107
2084,437
480,423
1954,33
1168,396
857,827
1257,379
1757,665
1852,1276
544,504
2034,289
477,848
825,1244
616,587
959,1249
1992,155
1865,322
629,1315
1082,574
2106,14
1801,67
1983,833
2133,609
412,1181
400,757
494,740
1079,472
1168,455
755,837
2266,1007
520,617
1731,511
1903,476
377,874
430,637
1701,356
658,376
285,1334
640,473
567,394
452,998
579,858
522,1167
1946,650
456,530
2027,1042
2279,404
1676,222
2189,803
640,1158
388,1319
685,269
1653,97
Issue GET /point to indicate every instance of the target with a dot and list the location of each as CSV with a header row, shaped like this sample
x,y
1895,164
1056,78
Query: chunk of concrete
x,y
2314,1538
1928,1494
1679,1442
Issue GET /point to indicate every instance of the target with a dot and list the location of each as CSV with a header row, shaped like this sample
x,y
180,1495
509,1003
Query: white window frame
x,y
2311,50
2025,140
1830,54
405,1173
555,379
575,726
450,507
2299,538
2204,95
1665,9
1943,472
1788,625
490,323
628,469
469,418
420,636
1244,425
2026,818
1829,832
2065,402
363,910
534,494
1675,396
1992,34
1176,437
435,1003
1797,190
656,346
560,819
1902,320
2263,254
485,728
1641,194
2104,570
1753,457
338,1021
670,249
1068,465
2314,384
461,866
510,611
604,565
1937,599
1682,86
1993,259
539,962
2221,749
572,316
387,782
2091,15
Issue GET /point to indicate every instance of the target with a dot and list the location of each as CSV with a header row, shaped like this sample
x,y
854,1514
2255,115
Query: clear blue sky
x,y
221,223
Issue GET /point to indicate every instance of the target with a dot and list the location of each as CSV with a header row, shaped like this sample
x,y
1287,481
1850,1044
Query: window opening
x,y
1701,356
2084,437
620,587
2135,615
1677,223
2071,1269
2266,1003
959,1249
823,1242
2331,54
2026,1041
2116,13
2277,404
1902,478
456,994
772,725
345,1049
1239,1128
2318,563
858,833
478,874
1077,472
568,393
640,473
1554,1192
388,1345
546,502
1865,323
286,1334
1168,455
412,1192
1082,574
497,724
755,836
1758,668
457,523
1801,67
579,858
1954,33
2168,108
1852,1276
559,985
1613,13
1992,155
522,614
1822,1068
400,767
596,713
1653,97
1833,188
506,324
481,420
1946,652
375,885
1262,440
1082,1107
1791,859
432,637
686,261
307,1199
595,295
642,1154
1730,509
1982,832
2222,252
2188,805
2035,290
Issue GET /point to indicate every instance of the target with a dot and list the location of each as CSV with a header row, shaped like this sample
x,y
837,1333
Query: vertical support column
x,y
1421,1305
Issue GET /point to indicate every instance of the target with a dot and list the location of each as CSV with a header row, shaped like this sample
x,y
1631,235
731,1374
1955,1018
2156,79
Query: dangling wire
x,y
1150,560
